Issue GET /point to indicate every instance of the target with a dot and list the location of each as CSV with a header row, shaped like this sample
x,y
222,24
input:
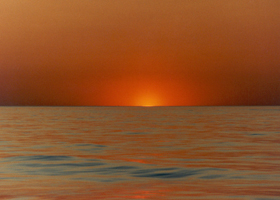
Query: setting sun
x,y
147,101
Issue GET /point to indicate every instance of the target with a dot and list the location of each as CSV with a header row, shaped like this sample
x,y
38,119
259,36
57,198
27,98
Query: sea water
x,y
140,153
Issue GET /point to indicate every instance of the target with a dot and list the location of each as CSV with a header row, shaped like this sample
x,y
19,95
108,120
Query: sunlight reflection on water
x,y
140,153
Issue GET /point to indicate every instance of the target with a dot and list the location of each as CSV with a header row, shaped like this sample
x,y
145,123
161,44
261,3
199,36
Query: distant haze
x,y
140,52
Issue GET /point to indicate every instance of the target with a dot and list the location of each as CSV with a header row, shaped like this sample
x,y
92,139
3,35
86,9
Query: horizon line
x,y
135,106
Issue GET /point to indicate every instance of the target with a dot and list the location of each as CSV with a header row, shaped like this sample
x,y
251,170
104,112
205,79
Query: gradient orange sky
x,y
140,52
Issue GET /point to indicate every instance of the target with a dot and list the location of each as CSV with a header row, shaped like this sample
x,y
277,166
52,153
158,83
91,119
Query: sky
x,y
139,52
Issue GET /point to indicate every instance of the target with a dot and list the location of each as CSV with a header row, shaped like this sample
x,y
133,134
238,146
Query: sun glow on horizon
x,y
148,100
148,105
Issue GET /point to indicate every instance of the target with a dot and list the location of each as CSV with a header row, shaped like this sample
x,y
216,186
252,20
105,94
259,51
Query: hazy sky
x,y
139,52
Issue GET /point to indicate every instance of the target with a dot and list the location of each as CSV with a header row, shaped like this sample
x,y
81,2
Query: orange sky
x,y
140,52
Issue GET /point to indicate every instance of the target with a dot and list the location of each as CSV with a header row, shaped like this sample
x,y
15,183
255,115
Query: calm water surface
x,y
140,153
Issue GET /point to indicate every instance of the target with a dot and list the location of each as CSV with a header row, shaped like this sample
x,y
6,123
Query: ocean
x,y
228,153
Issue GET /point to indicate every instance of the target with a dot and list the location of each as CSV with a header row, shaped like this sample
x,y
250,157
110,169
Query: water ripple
x,y
49,165
164,173
39,158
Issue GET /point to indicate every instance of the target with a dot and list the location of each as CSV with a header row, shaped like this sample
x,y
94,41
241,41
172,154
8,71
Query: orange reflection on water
x,y
128,153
